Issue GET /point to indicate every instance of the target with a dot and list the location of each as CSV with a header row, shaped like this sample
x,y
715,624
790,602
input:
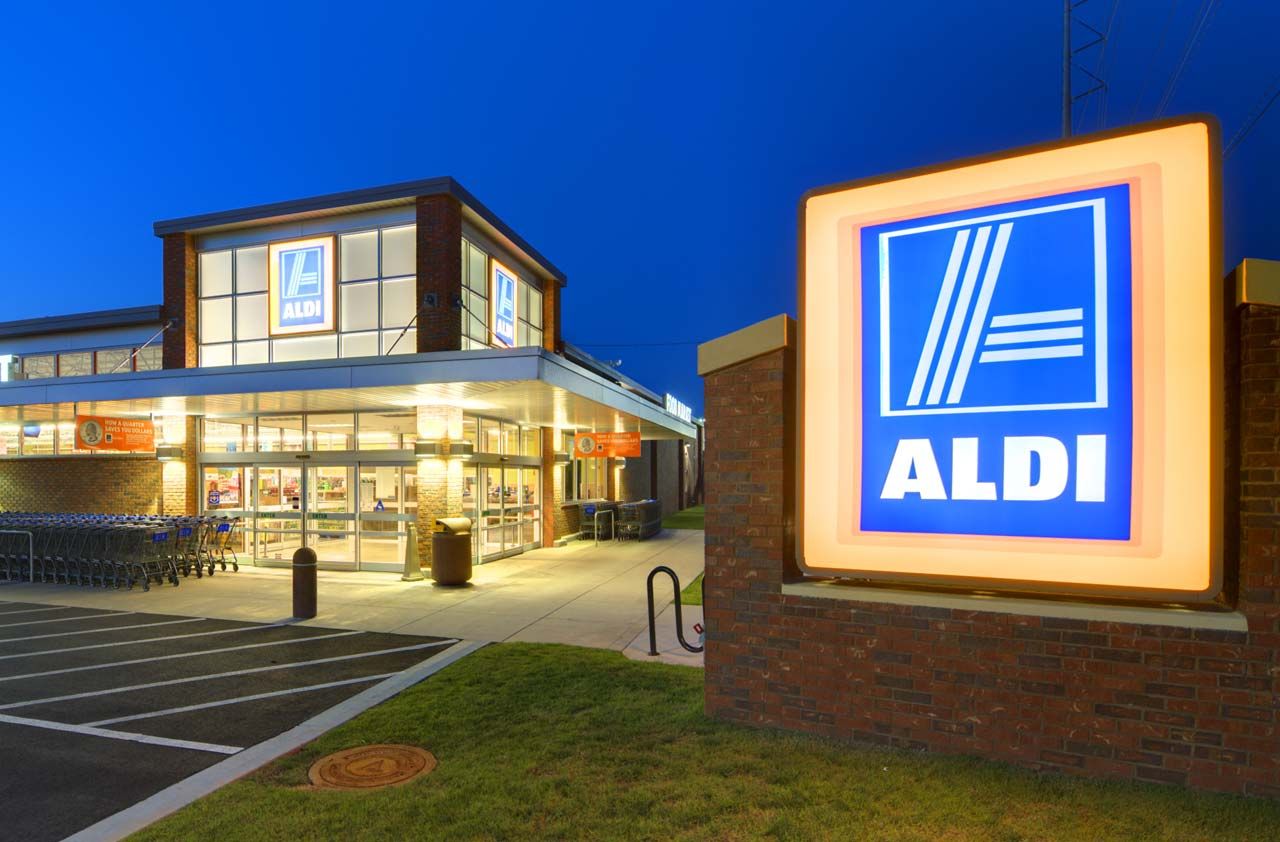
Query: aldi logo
x,y
300,286
996,378
502,296
1013,367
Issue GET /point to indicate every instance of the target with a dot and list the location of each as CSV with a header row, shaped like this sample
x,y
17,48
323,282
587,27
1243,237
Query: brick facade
x,y
83,484
439,264
180,344
1161,703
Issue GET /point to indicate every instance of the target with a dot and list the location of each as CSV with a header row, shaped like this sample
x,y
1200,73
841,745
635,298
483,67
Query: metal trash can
x,y
451,551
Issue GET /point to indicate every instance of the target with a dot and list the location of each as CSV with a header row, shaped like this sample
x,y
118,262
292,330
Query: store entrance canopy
x,y
528,385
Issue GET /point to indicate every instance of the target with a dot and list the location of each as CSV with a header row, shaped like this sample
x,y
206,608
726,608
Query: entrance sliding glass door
x,y
388,504
278,530
507,510
330,514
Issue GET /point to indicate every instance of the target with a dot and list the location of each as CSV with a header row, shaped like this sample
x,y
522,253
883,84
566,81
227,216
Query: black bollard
x,y
304,583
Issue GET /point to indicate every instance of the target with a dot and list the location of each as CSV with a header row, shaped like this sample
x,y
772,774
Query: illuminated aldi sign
x,y
998,370
301,286
1012,371
502,298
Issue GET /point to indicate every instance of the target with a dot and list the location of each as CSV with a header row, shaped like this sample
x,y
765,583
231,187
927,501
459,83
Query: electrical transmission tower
x,y
1097,85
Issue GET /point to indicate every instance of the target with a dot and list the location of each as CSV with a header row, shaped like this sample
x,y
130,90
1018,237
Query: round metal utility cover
x,y
371,767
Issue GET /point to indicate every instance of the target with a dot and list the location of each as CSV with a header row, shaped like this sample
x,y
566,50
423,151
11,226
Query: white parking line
x,y
155,658
211,676
143,640
35,610
67,619
239,699
91,731
91,631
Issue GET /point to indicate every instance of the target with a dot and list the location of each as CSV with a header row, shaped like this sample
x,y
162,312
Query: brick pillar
x,y
552,339
180,349
180,480
550,485
439,262
439,478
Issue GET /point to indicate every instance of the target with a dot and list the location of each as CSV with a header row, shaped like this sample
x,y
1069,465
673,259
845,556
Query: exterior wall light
x,y
169,453
620,462
427,449
461,450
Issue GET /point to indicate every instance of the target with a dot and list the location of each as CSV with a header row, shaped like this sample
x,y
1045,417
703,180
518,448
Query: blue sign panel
x,y
997,370
504,306
302,288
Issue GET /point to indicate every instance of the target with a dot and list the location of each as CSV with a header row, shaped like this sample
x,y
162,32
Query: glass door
x,y
330,516
227,491
490,512
388,504
279,516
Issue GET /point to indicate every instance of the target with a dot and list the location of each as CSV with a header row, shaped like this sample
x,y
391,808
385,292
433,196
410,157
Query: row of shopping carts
x,y
113,551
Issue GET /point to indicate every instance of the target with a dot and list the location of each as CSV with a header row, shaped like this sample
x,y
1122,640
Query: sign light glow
x,y
680,410
300,286
1012,370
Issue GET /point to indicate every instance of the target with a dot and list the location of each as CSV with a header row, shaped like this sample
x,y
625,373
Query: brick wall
x,y
439,263
180,348
119,485
1148,702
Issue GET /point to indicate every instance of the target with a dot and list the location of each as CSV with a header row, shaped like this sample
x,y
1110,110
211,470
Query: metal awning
x,y
527,385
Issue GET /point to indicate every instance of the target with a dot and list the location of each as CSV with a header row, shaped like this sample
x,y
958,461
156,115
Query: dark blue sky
x,y
655,153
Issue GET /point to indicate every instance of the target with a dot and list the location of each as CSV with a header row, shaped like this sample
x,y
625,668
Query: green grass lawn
x,y
693,517
692,593
553,742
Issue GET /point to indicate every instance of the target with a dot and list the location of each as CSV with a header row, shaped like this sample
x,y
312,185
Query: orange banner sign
x,y
605,445
131,435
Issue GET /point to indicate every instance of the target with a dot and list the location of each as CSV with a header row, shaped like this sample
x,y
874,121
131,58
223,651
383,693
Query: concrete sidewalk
x,y
577,594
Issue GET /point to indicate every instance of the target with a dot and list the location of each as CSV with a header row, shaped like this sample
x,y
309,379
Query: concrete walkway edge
x,y
173,798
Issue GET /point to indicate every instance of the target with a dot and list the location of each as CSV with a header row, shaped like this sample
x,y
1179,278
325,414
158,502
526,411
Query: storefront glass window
x,y
511,439
490,437
399,251
113,360
279,433
358,256
531,441
9,441
39,367
37,438
227,435
388,430
75,364
148,358
475,297
331,432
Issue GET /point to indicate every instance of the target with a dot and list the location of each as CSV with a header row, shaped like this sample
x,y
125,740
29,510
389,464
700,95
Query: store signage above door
x,y
300,286
606,445
502,304
1012,370
127,435
680,410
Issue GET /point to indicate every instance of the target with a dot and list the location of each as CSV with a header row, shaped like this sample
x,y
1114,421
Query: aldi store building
x,y
332,370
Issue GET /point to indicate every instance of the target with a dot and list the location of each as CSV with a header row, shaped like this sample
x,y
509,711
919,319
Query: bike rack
x,y
675,585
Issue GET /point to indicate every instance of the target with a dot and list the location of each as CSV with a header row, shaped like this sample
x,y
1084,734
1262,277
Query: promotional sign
x,y
129,435
300,286
1012,370
606,445
502,305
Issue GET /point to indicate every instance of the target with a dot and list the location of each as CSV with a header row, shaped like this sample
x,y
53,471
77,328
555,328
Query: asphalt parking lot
x,y
102,709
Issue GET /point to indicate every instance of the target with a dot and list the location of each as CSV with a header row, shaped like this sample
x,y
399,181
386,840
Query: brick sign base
x,y
1155,701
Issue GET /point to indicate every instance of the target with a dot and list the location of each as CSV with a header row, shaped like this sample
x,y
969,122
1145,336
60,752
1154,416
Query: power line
x,y
1264,105
1150,74
1207,8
